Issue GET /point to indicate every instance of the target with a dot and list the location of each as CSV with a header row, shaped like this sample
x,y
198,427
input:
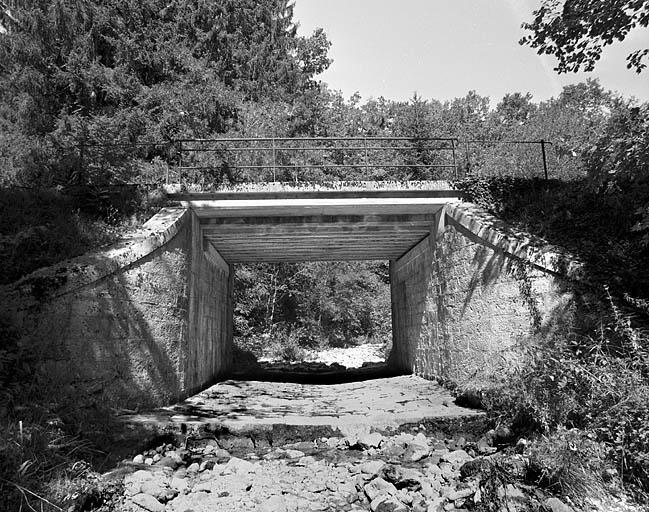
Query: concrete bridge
x,y
149,321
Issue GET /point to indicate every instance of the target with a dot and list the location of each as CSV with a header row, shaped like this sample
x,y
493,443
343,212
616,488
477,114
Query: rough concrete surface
x,y
143,323
355,406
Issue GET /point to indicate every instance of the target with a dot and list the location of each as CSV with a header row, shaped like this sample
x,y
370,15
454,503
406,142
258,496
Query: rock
x,y
333,442
436,456
156,458
294,454
220,455
436,505
237,465
193,468
420,438
306,461
372,440
404,497
430,489
415,452
167,462
502,435
372,467
447,471
158,490
206,465
148,502
393,451
273,504
138,459
387,503
419,505
474,467
133,482
179,484
403,477
460,494
457,457
556,505
484,446
379,486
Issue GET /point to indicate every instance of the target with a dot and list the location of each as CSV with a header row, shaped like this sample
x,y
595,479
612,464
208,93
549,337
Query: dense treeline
x,y
77,73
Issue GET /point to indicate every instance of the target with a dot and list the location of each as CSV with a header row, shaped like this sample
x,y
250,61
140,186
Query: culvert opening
x,y
312,321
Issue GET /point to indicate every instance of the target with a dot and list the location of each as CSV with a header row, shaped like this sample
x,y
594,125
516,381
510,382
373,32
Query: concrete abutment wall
x,y
144,323
467,300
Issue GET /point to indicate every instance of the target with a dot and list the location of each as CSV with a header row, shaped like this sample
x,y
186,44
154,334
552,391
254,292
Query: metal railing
x,y
308,159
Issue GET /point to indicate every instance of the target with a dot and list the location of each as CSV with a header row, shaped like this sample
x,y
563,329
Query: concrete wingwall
x,y
143,323
469,298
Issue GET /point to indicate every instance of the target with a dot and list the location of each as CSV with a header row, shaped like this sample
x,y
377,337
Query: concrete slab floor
x,y
374,404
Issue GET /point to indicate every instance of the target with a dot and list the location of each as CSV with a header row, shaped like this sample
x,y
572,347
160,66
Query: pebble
x,y
387,503
148,502
372,467
556,505
379,486
372,440
138,459
415,452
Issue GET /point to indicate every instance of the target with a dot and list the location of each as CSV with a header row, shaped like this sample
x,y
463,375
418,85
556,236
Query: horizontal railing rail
x,y
207,161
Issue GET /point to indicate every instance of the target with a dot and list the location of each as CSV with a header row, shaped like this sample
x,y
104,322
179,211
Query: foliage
x,y
75,74
575,31
568,462
41,228
311,305
619,159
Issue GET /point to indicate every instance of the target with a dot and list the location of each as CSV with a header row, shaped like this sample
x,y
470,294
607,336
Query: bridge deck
x,y
316,225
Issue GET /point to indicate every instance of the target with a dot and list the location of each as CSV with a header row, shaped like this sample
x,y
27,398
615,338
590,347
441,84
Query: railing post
x,y
545,162
366,158
274,160
454,158
169,157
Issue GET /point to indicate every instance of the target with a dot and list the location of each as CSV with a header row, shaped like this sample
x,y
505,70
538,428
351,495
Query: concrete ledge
x,y
485,229
72,275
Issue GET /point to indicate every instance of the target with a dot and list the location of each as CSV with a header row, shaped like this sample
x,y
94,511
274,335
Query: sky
x,y
442,49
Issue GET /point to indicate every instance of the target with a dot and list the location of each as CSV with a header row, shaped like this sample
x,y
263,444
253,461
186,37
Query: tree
x,y
576,31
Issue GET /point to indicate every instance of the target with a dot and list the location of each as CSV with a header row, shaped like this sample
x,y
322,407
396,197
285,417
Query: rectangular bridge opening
x,y
317,317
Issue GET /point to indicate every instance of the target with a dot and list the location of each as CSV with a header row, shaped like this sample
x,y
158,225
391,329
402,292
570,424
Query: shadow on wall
x,y
108,329
491,295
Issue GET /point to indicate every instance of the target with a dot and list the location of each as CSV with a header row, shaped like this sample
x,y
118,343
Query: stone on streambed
x,y
148,502
372,467
367,441
379,486
415,452
456,458
387,503
404,477
158,489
